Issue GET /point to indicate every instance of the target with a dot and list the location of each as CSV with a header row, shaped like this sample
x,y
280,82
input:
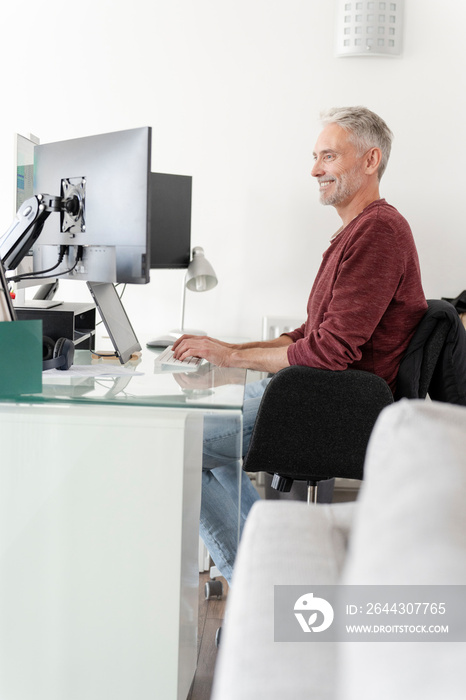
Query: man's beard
x,y
346,185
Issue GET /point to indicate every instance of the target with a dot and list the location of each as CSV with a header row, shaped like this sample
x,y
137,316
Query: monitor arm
x,y
26,227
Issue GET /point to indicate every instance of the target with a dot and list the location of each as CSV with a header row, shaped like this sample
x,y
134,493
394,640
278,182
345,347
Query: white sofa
x,y
408,526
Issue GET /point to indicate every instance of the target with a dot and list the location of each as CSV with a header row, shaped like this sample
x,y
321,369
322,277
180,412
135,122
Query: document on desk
x,y
96,370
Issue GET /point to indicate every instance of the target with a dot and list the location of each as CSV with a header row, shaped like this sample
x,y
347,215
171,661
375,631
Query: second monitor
x,y
170,228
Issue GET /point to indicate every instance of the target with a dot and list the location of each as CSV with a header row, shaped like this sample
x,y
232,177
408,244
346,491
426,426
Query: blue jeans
x,y
220,480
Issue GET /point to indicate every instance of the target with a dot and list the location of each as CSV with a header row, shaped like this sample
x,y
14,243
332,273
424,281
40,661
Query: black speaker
x,y
57,354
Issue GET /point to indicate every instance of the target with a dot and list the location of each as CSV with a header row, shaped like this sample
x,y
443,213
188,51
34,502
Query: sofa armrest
x,y
410,529
283,543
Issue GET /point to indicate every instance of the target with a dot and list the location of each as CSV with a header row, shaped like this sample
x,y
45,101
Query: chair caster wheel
x,y
217,637
213,589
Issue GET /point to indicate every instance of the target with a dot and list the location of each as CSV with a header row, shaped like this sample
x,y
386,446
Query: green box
x,y
20,358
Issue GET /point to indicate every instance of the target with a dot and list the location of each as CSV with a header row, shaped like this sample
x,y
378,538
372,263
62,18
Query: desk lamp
x,y
200,277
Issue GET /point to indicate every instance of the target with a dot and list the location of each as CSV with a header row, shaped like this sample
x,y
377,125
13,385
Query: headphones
x,y
59,354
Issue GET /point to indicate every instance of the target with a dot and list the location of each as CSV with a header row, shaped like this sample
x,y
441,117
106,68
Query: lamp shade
x,y
200,275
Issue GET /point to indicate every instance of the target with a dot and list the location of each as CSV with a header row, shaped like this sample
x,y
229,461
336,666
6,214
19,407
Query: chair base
x,y
283,484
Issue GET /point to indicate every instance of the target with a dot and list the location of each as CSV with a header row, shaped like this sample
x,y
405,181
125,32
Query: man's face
x,y
338,166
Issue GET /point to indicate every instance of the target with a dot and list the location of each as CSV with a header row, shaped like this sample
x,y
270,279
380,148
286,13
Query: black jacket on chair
x,y
435,361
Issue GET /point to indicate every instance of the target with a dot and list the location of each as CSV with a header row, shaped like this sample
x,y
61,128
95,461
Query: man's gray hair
x,y
367,130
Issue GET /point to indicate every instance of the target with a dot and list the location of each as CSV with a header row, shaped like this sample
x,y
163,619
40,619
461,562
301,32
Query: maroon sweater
x,y
367,298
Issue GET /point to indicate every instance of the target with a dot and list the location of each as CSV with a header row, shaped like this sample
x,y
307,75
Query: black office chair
x,y
315,424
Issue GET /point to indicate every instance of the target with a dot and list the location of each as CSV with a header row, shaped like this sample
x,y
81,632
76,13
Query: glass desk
x,y
99,516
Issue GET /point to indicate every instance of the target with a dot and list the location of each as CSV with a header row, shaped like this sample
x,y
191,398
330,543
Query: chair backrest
x,y
316,423
434,358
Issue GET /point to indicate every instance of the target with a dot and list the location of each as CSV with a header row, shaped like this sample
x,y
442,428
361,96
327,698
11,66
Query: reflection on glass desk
x,y
143,384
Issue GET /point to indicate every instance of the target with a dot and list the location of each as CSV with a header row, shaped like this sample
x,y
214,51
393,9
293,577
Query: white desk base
x,y
99,514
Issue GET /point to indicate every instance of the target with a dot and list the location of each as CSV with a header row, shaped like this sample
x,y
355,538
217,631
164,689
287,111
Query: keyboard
x,y
167,362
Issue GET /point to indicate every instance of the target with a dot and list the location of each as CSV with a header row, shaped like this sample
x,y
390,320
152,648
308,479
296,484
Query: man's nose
x,y
317,168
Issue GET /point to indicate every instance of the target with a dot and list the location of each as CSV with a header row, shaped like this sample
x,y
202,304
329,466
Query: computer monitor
x,y
170,199
170,230
24,177
24,167
16,243
106,179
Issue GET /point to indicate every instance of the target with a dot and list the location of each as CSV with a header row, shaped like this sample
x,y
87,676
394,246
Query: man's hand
x,y
214,351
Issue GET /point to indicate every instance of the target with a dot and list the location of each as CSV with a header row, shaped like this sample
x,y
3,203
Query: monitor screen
x,y
106,180
24,176
170,230
24,167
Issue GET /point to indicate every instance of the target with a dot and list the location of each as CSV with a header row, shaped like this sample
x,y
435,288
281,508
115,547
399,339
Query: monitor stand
x,y
115,320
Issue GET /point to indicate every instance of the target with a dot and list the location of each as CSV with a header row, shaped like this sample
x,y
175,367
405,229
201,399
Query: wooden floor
x,y
211,613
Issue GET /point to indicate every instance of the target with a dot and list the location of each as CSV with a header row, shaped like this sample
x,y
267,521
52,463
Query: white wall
x,y
233,91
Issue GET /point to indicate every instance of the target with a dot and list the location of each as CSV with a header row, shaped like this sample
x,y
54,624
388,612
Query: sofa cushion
x,y
283,543
410,528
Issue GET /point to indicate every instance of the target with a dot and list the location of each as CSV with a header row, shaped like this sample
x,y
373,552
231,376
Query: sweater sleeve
x,y
366,281
297,333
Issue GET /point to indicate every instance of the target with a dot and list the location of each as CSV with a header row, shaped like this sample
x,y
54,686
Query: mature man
x,y
364,306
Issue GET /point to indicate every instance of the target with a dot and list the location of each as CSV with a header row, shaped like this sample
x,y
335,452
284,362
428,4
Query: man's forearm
x,y
281,341
263,358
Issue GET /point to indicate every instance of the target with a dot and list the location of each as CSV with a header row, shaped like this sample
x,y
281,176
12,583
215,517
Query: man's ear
x,y
372,160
